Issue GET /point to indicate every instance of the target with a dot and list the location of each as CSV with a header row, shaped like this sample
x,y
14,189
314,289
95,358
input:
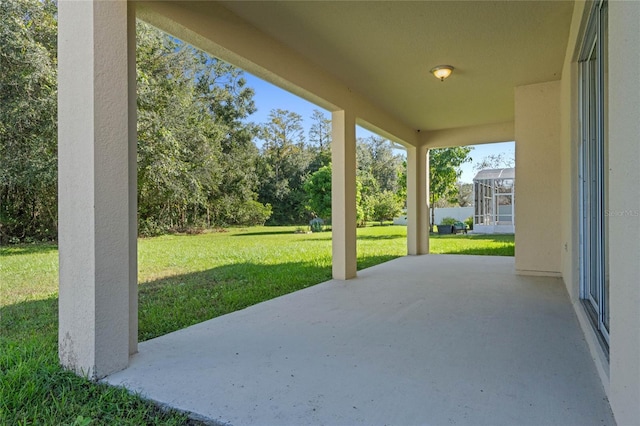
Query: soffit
x,y
384,50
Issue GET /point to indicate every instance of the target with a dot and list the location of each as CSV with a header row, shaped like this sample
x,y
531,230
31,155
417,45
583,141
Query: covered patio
x,y
423,339
431,340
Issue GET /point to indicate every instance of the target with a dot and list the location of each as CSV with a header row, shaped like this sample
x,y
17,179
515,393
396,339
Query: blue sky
x,y
268,97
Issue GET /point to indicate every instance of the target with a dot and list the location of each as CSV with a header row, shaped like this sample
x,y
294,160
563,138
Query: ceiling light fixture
x,y
442,71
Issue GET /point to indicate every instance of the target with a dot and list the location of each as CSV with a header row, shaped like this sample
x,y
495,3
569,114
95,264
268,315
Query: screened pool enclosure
x,y
494,201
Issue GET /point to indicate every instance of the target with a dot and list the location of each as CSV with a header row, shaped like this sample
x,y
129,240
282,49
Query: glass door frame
x,y
593,173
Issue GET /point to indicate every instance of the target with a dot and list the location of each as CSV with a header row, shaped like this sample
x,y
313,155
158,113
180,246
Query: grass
x,y
183,280
486,245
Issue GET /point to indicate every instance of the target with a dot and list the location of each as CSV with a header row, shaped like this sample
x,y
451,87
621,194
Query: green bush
x,y
316,225
385,206
253,213
149,227
448,221
469,222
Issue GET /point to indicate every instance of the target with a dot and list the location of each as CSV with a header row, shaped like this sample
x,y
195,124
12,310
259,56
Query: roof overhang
x,y
375,57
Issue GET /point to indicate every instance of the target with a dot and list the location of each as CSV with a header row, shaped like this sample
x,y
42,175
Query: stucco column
x,y
343,194
133,179
624,209
538,173
97,186
417,200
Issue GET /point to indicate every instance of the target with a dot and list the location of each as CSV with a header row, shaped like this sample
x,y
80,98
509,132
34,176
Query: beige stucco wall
x,y
473,135
537,199
569,217
569,183
624,209
621,373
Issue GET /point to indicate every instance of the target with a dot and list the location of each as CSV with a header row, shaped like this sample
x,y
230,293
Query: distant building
x,y
494,201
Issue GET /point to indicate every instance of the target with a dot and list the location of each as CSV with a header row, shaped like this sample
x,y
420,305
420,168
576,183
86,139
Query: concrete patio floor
x,y
421,340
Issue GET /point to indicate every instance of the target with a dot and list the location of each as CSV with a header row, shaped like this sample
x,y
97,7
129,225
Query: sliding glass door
x,y
594,276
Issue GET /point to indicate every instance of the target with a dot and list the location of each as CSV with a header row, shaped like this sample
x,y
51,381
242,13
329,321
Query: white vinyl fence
x,y
458,213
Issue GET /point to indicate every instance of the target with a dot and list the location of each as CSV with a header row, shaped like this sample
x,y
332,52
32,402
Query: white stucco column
x,y
624,210
97,186
417,200
343,194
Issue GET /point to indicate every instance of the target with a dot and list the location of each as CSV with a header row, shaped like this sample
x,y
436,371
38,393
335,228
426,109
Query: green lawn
x,y
486,245
183,280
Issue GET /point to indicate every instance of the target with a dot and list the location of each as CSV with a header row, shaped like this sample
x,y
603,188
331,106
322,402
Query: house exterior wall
x,y
537,131
569,183
624,209
620,373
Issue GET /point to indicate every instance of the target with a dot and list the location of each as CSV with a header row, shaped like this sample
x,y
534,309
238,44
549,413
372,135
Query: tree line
x,y
201,162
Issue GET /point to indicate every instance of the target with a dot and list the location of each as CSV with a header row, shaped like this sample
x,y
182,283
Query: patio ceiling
x,y
384,50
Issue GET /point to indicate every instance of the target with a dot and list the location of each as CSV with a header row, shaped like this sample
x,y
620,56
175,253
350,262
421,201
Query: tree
x,y
386,206
232,199
196,158
378,170
375,155
28,126
320,130
363,207
444,172
178,140
320,140
402,183
386,164
284,167
318,189
465,194
496,161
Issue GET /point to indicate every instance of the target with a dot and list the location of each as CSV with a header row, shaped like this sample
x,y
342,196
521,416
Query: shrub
x,y
150,228
318,190
253,213
316,225
448,221
469,222
386,206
